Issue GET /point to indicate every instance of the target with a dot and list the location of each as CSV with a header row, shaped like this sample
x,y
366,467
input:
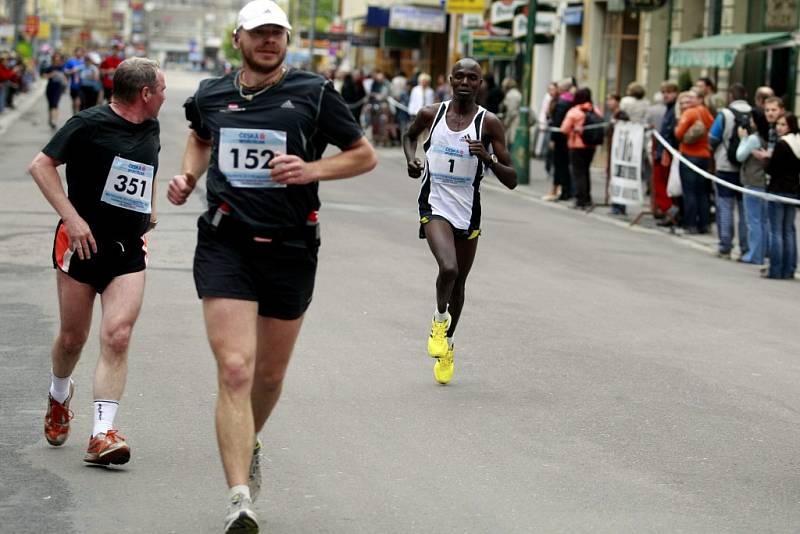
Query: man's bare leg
x,y
276,339
232,329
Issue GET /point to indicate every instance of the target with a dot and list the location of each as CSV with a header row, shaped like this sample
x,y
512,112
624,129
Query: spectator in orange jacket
x,y
692,132
580,154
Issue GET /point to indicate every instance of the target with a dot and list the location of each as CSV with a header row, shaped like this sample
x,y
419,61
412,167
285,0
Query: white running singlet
x,y
451,182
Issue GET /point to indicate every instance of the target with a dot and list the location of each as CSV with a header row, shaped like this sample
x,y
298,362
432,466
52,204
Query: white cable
x,y
397,104
361,102
766,196
556,129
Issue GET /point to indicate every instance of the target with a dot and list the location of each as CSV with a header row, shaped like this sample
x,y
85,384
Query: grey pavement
x,y
608,380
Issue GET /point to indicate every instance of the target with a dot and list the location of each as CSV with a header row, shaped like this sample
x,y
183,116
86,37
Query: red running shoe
x,y
106,449
57,418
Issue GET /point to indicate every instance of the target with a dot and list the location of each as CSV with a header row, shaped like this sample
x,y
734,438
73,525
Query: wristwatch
x,y
494,160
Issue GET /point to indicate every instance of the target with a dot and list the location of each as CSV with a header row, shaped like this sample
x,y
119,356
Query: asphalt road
x,y
607,380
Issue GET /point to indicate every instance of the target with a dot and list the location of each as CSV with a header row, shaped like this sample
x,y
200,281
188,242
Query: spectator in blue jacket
x,y
723,132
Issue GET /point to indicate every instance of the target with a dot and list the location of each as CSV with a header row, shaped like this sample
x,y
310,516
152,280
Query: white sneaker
x,y
240,519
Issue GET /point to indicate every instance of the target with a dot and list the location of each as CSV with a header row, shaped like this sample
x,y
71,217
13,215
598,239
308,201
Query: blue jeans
x,y
696,209
727,200
783,239
2,96
755,211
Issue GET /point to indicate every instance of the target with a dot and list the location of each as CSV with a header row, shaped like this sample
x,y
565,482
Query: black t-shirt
x,y
111,165
300,116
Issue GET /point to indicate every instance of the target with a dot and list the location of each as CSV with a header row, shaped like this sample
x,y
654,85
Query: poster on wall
x,y
626,164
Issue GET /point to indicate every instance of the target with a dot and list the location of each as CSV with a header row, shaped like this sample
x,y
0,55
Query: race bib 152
x,y
245,154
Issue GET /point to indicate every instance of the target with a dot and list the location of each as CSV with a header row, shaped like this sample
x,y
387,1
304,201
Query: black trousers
x,y
561,172
580,159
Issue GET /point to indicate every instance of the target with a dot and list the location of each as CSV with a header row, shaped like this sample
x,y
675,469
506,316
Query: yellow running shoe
x,y
443,368
437,342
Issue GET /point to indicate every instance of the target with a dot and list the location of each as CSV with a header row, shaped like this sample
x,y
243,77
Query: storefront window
x,y
622,37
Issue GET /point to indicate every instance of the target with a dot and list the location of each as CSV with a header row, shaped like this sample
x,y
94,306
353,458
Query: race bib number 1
x,y
245,154
129,185
452,165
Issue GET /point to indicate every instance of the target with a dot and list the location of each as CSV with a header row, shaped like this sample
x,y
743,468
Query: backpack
x,y
596,134
739,120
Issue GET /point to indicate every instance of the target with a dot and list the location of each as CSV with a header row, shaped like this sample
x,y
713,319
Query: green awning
x,y
718,50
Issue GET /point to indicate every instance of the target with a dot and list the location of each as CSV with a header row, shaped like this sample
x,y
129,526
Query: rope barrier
x,y
766,196
361,102
555,129
399,105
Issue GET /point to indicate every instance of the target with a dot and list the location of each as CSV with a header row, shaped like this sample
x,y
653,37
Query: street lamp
x,y
520,150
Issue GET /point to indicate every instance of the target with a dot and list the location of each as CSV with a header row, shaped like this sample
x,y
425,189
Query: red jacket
x,y
6,74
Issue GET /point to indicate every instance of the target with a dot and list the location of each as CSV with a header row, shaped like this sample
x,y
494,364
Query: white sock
x,y
441,316
243,489
104,413
59,387
450,342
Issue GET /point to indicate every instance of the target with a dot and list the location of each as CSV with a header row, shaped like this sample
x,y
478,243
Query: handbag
x,y
674,188
695,132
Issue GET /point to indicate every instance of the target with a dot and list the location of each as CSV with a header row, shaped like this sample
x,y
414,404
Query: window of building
x,y
622,38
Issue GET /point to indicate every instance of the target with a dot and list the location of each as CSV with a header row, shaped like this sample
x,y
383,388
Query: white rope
x,y
556,129
399,105
766,196
361,102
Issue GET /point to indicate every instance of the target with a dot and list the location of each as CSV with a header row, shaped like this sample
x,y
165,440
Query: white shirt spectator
x,y
420,98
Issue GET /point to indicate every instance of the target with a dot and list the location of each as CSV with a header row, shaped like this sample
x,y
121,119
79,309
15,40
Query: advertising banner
x,y
626,164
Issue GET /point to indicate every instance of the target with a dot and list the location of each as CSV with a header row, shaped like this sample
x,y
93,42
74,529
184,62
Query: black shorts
x,y
459,234
113,259
75,93
279,276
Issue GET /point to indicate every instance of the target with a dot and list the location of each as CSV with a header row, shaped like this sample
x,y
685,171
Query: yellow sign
x,y
44,31
466,6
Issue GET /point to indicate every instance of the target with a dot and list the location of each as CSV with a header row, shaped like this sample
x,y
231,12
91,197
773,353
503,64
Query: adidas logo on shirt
x,y
287,105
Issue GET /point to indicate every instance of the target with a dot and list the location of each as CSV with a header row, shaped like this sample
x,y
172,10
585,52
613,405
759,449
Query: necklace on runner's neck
x,y
258,91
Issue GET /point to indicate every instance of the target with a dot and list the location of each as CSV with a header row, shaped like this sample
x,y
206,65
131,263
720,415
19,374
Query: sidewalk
x,y
22,103
540,185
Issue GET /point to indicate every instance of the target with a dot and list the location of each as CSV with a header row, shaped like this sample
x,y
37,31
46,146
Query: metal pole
x,y
520,150
311,31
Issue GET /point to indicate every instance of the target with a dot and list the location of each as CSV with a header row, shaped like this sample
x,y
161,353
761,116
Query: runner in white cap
x,y
260,133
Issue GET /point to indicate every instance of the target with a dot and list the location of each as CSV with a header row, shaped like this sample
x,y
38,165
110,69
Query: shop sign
x,y
504,12
420,19
44,31
466,6
467,35
364,41
377,17
398,39
493,48
32,25
545,24
472,20
572,16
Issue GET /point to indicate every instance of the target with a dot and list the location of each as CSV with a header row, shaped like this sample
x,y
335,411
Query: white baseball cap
x,y
260,12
